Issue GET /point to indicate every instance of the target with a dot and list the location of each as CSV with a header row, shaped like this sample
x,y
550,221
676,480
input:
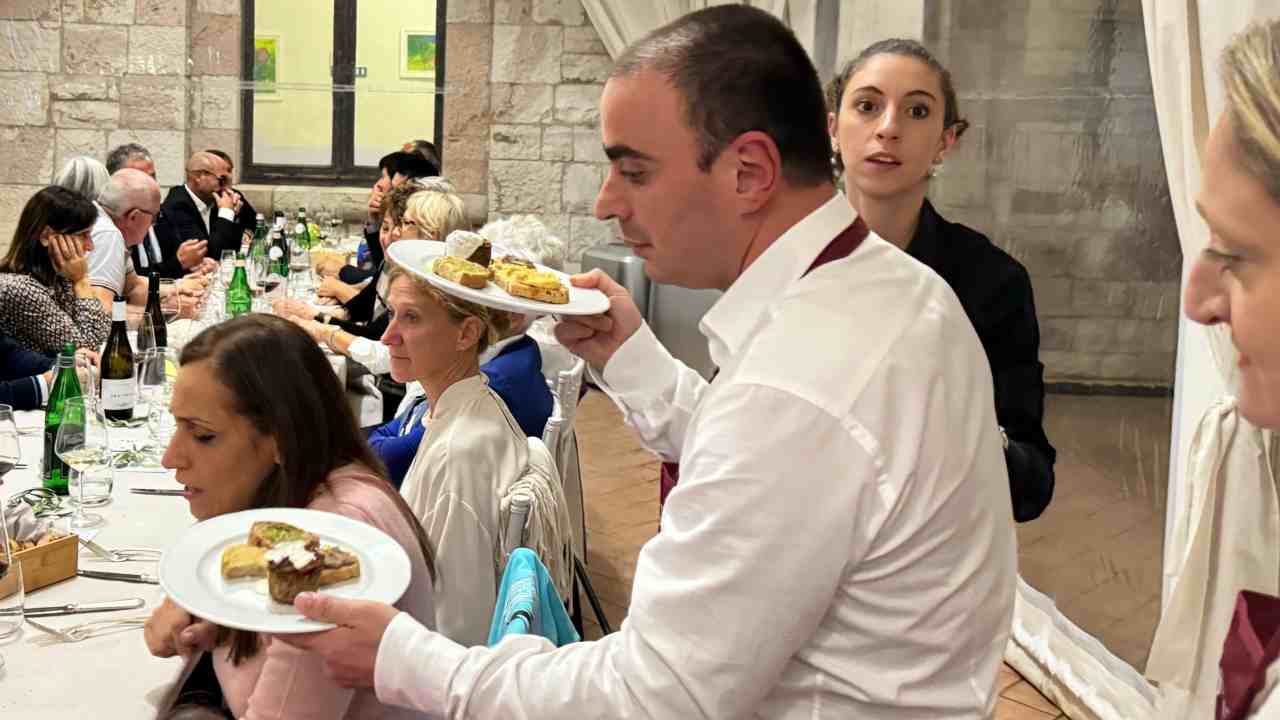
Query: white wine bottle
x,y
118,389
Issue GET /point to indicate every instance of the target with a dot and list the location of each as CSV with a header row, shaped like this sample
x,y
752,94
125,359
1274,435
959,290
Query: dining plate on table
x,y
191,572
416,256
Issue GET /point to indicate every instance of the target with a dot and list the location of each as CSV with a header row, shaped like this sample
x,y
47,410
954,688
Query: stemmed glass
x,y
82,444
11,598
226,268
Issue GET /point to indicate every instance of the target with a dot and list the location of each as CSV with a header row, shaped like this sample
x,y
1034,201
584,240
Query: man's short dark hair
x,y
740,69
412,165
388,163
125,154
225,157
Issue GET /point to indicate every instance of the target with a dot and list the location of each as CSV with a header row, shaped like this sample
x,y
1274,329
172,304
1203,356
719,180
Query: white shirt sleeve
x,y
655,392
752,549
107,266
227,214
373,355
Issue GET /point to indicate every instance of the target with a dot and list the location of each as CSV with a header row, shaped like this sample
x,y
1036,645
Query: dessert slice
x,y
292,568
503,267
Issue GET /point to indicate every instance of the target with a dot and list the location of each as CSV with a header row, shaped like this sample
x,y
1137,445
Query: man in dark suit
x,y
246,216
200,209
162,251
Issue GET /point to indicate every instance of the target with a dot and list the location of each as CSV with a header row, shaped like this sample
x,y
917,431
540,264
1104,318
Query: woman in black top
x,y
893,119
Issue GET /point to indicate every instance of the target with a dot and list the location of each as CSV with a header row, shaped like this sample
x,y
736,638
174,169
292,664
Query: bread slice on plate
x,y
463,272
244,561
537,285
338,566
267,534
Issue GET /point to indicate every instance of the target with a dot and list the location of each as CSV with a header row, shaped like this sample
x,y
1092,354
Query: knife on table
x,y
123,577
78,608
156,491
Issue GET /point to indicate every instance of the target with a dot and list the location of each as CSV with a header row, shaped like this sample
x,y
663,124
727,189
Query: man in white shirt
x,y
841,542
126,207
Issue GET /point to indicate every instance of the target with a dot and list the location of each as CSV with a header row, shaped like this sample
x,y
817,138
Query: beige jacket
x,y
470,454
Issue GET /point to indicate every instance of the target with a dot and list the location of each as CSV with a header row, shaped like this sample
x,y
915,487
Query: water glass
x,y
227,267
159,368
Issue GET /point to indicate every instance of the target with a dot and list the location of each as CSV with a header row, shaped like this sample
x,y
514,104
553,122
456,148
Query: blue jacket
x,y
18,366
515,374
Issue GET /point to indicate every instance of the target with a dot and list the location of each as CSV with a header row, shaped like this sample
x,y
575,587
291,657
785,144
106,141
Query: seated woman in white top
x,y
472,451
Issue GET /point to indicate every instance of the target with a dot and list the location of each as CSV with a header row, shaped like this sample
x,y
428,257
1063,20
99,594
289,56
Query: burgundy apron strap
x,y
842,246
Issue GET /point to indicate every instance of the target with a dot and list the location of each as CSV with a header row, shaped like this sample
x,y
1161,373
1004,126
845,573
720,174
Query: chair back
x,y
561,440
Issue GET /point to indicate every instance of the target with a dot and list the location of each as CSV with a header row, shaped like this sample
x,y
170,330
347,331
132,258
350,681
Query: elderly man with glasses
x,y
127,206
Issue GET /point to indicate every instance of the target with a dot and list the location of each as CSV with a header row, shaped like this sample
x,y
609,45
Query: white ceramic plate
x,y
416,256
191,570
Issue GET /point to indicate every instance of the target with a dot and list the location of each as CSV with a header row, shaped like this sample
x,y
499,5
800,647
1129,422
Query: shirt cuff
x,y
42,390
415,666
227,214
640,369
373,355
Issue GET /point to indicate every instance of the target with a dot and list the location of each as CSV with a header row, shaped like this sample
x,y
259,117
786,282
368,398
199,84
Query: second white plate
x,y
416,256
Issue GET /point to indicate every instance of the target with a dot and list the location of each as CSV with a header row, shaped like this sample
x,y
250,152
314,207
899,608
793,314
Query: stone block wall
x,y
1063,169
79,77
521,125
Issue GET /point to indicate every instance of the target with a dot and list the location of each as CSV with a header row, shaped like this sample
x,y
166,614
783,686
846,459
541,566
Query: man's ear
x,y
757,167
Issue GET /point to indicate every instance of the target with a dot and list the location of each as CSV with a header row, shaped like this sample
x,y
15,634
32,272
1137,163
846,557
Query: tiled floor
x,y
621,485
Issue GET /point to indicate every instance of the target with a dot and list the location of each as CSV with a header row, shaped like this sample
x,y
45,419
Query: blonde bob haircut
x,y
495,321
1251,73
436,213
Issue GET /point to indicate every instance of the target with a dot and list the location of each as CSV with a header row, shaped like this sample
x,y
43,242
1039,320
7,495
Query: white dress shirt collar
x,y
201,206
731,321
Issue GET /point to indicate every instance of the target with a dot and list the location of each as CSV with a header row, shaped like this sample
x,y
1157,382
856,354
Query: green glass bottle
x,y
239,295
65,385
301,231
258,248
279,254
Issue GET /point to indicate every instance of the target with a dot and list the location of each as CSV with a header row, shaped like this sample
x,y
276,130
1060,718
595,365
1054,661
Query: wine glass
x,y
227,267
10,451
162,362
82,444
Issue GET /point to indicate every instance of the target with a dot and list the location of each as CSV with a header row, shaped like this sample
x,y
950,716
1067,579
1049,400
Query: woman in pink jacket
x,y
263,422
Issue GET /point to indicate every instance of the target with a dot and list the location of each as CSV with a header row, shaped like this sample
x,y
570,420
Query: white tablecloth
x,y
105,677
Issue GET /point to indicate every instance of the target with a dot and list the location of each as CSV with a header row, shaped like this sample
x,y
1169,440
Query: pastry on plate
x,y
292,568
537,285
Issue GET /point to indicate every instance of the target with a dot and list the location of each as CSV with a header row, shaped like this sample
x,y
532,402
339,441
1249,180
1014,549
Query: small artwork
x,y
417,54
266,64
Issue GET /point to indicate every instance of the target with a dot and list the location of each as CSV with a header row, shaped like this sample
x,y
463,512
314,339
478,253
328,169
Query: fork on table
x,y
92,628
121,554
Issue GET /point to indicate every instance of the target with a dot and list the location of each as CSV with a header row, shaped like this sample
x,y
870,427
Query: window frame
x,y
341,169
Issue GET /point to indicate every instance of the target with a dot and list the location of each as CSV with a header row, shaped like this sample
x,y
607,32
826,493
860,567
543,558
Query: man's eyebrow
x,y
621,152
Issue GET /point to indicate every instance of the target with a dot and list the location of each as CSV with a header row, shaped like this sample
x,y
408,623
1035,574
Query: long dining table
x,y
111,675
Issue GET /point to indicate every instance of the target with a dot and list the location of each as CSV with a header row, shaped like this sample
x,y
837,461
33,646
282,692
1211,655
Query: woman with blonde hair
x,y
471,452
410,214
1235,281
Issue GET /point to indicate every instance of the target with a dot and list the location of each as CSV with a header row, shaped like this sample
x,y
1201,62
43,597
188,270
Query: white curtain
x,y
1223,528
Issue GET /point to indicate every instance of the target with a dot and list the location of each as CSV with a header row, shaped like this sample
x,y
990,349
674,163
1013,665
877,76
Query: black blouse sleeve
x,y
1011,336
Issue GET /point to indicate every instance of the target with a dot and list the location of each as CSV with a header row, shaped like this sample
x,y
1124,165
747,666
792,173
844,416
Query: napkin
x,y
24,526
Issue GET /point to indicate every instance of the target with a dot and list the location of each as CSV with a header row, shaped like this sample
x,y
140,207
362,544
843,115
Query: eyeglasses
x,y
143,211
222,179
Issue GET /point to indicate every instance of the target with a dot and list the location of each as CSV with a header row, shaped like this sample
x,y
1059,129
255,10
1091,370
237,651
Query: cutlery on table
x,y
93,628
122,577
121,555
156,491
79,608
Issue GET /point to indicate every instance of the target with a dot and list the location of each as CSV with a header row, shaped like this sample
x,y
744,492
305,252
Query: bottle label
x,y
118,311
119,394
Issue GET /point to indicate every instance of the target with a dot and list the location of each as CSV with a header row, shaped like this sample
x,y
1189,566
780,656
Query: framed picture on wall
x,y
266,67
417,53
